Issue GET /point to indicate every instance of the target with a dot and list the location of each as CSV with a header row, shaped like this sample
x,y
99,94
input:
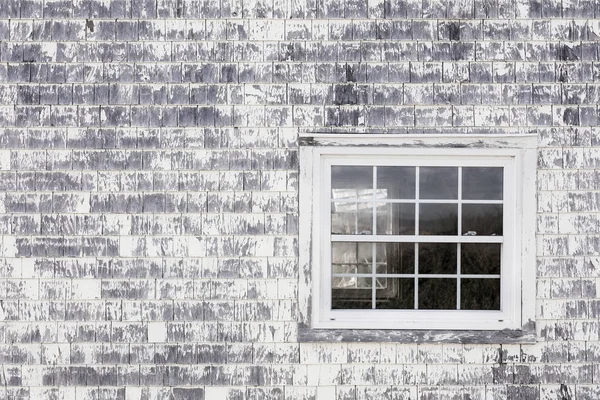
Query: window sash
x,y
395,318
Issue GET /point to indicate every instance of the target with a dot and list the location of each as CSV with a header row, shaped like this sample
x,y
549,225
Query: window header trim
x,y
527,141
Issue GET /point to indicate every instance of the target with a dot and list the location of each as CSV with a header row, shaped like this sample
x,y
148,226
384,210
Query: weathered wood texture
x,y
149,189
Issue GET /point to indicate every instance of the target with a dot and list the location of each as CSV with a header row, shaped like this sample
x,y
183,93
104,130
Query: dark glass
x,y
398,182
349,218
350,182
438,219
482,219
353,298
395,294
437,258
482,183
352,257
396,219
437,294
480,294
395,258
480,258
438,183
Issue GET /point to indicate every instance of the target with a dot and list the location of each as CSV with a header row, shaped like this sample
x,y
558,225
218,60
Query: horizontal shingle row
x,y
529,89
123,30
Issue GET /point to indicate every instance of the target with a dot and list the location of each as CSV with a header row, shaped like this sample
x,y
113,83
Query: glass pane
x,y
437,258
480,294
397,182
351,218
482,219
352,256
395,294
351,282
480,258
351,182
438,183
482,183
438,219
395,219
357,296
343,282
395,258
344,268
437,294
344,253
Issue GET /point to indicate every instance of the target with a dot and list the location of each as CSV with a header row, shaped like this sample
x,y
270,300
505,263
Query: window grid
x,y
458,239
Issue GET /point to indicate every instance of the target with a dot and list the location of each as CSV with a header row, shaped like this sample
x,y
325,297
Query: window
x,y
430,233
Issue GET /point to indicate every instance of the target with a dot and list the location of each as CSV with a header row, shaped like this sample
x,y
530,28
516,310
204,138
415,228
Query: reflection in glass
x,y
437,294
482,183
351,282
437,258
480,258
343,253
438,183
395,219
398,182
480,294
395,293
351,218
344,268
351,182
482,219
343,282
356,257
438,219
395,258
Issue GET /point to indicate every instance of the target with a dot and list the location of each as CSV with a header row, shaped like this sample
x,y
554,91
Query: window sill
x,y
506,336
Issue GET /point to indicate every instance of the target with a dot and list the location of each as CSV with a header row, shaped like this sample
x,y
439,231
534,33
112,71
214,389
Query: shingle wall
x,y
149,178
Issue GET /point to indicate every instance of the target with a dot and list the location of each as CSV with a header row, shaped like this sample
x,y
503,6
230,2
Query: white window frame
x,y
515,153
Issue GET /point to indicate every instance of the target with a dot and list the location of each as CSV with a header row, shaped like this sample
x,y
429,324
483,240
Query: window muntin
x,y
444,203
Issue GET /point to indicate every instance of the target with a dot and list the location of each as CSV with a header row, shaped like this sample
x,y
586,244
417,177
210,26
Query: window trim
x,y
521,328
